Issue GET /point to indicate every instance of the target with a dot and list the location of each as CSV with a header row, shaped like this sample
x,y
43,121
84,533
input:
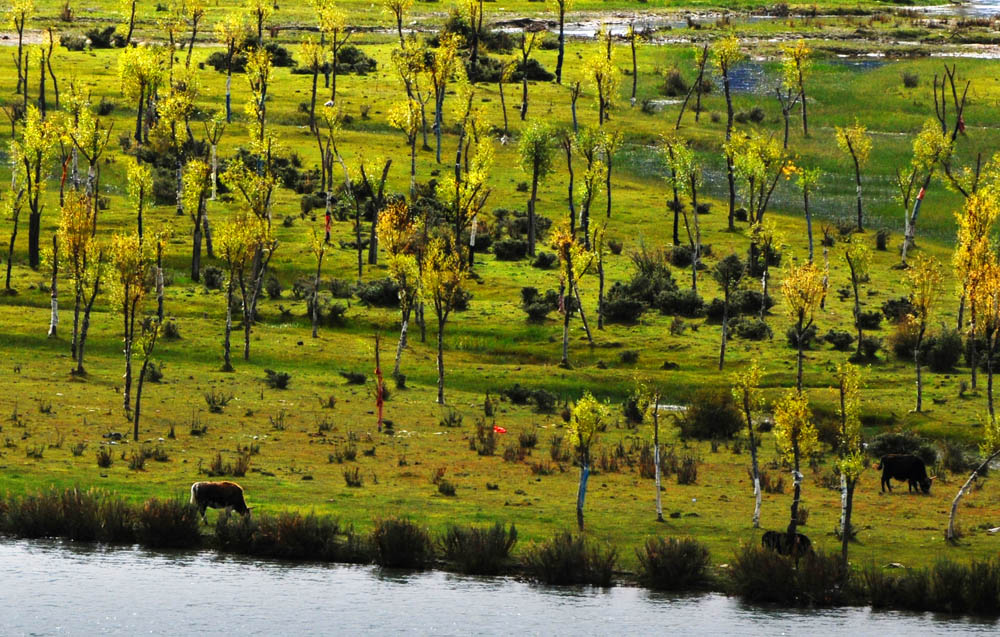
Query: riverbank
x,y
755,574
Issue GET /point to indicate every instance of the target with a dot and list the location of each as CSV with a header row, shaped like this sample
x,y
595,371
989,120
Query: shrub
x,y
528,439
217,401
273,287
538,306
943,350
401,543
288,535
628,357
354,378
839,339
212,277
101,38
674,84
870,320
479,551
485,441
902,442
903,341
615,246
759,575
882,240
569,559
808,336
750,301
379,293
544,261
168,524
446,488
620,306
510,249
751,329
687,470
673,564
711,415
896,310
910,79
104,457
684,302
277,380
73,41
870,345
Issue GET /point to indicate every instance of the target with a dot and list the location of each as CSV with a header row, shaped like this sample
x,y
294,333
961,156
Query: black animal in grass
x,y
218,495
784,544
904,467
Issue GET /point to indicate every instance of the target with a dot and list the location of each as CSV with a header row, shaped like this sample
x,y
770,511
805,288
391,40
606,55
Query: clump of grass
x,y
759,575
570,559
673,564
446,488
75,514
401,543
137,460
479,551
238,468
217,400
168,524
288,535
450,418
528,439
687,470
352,477
78,449
484,442
277,380
104,457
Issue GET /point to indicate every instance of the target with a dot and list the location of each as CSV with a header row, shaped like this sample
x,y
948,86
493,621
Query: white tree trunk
x,y
756,506
950,535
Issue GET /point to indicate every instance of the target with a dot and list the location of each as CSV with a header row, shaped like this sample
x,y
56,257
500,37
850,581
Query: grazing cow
x,y
904,467
778,541
218,495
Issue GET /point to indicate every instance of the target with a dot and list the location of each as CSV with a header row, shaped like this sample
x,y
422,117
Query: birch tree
x,y
442,278
130,263
19,12
796,436
588,418
924,278
236,247
561,7
536,153
405,117
746,390
197,182
849,450
399,234
127,9
726,54
231,31
989,450
397,9
31,152
333,25
728,273
856,142
858,258
795,67
140,74
802,288
972,259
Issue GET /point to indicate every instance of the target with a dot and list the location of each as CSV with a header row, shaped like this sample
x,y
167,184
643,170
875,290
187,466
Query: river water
x,y
49,588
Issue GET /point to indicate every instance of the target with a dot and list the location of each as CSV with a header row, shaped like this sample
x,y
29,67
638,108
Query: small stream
x,y
52,588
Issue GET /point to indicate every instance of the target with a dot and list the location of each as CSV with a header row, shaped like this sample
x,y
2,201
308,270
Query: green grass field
x,y
491,346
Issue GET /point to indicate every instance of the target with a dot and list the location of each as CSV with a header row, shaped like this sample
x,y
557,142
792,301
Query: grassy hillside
x,y
491,346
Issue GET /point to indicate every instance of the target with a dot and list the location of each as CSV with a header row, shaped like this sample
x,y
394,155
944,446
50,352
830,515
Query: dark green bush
x,y
510,249
759,575
905,442
673,564
870,320
895,310
277,380
168,524
839,339
620,306
751,329
538,306
712,414
379,293
808,336
212,277
544,261
684,302
569,559
288,535
401,543
943,350
479,551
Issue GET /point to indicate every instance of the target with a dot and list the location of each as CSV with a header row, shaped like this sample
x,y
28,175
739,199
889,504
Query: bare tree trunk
x,y
847,504
227,361
656,455
582,492
440,362
916,362
797,479
950,535
54,297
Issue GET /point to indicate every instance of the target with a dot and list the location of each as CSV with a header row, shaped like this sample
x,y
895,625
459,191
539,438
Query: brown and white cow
x,y
218,495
